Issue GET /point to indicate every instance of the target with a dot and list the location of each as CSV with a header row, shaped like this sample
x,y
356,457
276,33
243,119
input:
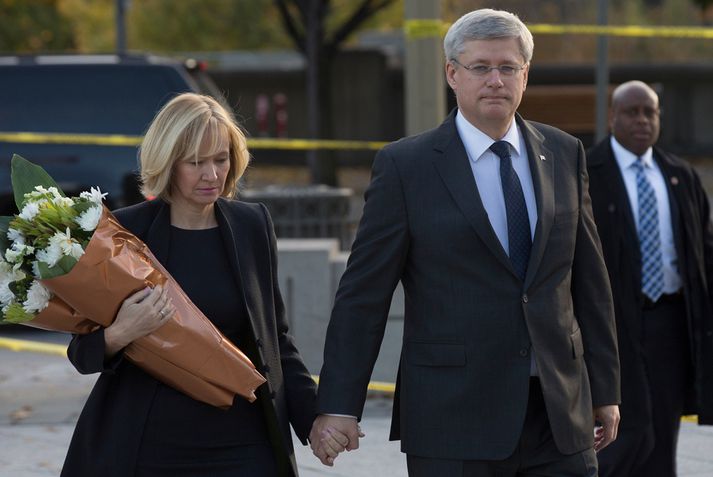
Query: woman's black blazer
x,y
107,438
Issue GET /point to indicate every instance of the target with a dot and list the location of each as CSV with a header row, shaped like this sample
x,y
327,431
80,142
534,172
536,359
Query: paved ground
x,y
41,397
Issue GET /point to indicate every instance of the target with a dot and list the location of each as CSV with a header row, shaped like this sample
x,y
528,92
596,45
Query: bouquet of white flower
x,y
68,266
46,240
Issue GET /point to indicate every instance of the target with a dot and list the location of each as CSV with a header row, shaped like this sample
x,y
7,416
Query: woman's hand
x,y
139,315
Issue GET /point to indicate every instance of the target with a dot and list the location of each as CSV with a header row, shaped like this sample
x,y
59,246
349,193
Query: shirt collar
x,y
476,142
626,158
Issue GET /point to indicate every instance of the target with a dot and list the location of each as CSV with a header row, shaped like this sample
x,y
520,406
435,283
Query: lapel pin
x,y
542,158
674,180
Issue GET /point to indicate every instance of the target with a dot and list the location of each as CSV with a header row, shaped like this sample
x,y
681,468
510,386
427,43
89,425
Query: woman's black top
x,y
182,433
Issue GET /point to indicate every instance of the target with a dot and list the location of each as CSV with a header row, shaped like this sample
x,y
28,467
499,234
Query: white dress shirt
x,y
626,159
486,171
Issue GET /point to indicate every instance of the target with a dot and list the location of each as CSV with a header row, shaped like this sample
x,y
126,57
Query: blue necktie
x,y
649,236
519,239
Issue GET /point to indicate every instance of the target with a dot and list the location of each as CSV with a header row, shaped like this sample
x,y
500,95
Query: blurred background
x,y
323,69
319,86
351,70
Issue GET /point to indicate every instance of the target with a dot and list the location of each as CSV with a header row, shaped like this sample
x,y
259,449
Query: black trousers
x,y
535,454
651,451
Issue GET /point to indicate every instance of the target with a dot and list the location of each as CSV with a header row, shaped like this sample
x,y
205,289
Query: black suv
x,y
86,94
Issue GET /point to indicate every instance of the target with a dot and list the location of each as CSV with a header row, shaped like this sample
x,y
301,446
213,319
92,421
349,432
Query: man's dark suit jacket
x,y
108,434
470,322
693,235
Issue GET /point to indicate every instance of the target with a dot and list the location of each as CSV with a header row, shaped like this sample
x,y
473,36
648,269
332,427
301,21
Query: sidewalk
x,y
41,397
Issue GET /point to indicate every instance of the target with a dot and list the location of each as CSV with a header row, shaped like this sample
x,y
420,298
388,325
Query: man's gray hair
x,y
487,24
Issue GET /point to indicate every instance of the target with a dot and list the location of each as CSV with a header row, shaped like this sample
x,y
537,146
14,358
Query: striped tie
x,y
649,236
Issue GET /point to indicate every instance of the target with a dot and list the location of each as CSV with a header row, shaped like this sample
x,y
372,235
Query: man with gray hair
x,y
509,350
654,220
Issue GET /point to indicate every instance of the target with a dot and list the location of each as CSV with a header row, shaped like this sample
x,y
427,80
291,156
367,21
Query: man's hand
x,y
606,422
331,435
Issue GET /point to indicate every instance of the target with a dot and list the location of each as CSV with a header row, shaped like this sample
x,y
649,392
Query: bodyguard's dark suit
x,y
693,237
470,322
108,434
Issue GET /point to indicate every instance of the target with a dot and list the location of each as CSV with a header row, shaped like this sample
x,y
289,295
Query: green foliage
x,y
205,25
63,266
702,4
25,176
30,26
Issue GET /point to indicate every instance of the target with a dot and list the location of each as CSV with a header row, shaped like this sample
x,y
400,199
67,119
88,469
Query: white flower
x,y
36,268
89,219
15,236
67,245
49,255
95,195
63,201
16,252
8,275
37,298
60,244
30,210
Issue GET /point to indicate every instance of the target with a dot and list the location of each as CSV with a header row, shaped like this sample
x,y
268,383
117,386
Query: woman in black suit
x,y
223,254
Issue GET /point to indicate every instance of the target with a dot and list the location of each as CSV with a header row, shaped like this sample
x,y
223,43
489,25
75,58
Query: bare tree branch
x,y
290,25
365,11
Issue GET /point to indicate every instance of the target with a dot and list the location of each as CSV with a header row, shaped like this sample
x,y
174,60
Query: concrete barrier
x,y
309,271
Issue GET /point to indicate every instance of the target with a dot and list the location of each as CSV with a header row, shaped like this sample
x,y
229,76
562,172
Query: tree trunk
x,y
322,169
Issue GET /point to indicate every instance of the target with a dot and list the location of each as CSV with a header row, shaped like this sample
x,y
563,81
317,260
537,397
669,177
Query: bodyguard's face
x,y
634,119
489,101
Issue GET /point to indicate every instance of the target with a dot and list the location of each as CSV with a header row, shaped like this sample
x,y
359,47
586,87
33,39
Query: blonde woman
x,y
222,253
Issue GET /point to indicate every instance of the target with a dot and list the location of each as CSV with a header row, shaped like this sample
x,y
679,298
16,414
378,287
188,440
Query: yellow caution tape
x,y
378,386
310,144
630,31
119,140
425,28
33,346
61,350
417,29
61,138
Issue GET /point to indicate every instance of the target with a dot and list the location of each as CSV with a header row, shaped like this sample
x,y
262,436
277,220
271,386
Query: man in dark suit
x,y
509,349
653,219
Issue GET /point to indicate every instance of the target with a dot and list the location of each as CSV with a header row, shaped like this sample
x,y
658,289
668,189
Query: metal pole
x,y
602,74
121,27
425,100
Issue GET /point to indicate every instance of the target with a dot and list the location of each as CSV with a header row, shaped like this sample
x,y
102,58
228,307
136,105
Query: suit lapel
x,y
230,241
542,163
158,235
454,168
676,199
612,179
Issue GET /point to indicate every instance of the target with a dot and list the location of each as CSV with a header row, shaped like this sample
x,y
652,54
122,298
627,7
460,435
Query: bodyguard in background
x,y
653,219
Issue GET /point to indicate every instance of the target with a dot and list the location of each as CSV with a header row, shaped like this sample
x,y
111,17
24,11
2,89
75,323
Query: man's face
x,y
634,119
489,101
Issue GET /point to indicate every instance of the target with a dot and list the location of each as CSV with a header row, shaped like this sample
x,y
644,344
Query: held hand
x,y
331,435
139,315
608,419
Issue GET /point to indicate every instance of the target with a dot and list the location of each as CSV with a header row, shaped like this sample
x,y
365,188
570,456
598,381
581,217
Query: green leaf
x,y
81,207
63,266
4,225
25,176
16,314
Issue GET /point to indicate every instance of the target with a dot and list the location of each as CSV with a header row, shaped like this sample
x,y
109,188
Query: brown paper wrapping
x,y
187,353
58,316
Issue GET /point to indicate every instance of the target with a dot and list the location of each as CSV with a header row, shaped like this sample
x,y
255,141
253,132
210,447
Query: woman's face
x,y
198,181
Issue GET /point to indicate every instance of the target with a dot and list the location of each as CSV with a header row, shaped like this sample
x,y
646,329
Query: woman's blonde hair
x,y
177,132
